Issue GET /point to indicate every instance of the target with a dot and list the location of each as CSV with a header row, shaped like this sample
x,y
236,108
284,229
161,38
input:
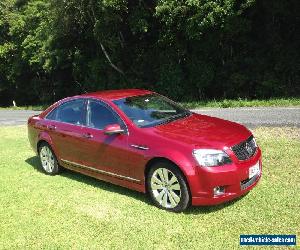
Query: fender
x,y
177,157
44,136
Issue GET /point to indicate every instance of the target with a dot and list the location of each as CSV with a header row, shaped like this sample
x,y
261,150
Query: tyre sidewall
x,y
56,168
185,194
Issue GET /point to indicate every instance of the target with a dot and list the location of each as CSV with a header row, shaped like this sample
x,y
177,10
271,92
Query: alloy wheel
x,y
47,159
165,188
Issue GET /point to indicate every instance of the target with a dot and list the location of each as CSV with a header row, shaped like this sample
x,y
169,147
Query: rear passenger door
x,y
65,127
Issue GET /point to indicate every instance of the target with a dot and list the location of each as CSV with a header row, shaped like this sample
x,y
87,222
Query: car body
x,y
125,150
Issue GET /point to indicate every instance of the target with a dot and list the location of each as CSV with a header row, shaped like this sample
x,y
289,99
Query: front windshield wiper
x,y
173,118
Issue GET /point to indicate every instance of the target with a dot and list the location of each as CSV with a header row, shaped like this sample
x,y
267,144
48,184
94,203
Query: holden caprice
x,y
141,140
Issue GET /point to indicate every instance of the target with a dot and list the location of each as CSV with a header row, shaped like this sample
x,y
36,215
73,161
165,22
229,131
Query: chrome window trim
x,y
74,164
86,103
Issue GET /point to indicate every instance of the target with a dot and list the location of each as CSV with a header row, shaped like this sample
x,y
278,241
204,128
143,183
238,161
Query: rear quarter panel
x,y
37,131
33,132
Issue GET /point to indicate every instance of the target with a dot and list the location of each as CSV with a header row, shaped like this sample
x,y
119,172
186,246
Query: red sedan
x,y
144,141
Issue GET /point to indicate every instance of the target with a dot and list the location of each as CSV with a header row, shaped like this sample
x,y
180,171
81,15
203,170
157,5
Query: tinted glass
x,y
150,110
100,116
52,114
70,112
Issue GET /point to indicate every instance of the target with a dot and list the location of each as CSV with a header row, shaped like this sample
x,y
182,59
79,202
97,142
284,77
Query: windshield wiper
x,y
173,118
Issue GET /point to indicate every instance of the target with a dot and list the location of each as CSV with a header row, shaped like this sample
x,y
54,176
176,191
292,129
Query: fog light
x,y
219,190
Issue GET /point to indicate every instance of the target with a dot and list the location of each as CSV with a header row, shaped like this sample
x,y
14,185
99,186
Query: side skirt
x,y
113,178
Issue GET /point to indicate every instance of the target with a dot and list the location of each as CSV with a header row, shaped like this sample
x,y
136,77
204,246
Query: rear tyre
x,y
167,187
48,159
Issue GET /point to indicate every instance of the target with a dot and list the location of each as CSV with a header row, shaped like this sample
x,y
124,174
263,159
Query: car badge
x,y
248,148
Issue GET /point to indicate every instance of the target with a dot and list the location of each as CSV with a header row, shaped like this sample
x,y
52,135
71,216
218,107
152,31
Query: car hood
x,y
203,131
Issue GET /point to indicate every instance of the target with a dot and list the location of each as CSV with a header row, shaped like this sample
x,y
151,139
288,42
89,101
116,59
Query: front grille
x,y
245,149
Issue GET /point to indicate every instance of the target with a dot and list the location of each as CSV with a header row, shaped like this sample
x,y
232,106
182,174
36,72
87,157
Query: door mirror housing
x,y
113,129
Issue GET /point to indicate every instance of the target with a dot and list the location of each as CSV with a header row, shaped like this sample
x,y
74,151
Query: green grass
x,y
72,211
227,103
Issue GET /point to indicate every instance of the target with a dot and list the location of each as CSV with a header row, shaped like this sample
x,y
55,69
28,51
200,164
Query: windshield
x,y
150,110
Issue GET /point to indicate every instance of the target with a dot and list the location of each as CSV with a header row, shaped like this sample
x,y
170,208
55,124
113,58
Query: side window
x,y
52,114
71,112
100,116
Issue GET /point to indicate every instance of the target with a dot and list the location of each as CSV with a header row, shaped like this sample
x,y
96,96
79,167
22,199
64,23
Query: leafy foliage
x,y
189,50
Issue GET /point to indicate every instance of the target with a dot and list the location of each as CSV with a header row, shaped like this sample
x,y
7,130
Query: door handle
x,y
51,127
87,136
139,147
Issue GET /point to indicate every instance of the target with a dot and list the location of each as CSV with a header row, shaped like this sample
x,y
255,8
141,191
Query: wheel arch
x,y
45,138
39,143
154,160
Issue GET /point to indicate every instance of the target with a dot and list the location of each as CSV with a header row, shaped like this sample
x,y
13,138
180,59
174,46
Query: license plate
x,y
254,170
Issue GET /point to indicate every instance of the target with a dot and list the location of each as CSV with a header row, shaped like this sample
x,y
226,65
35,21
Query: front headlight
x,y
211,157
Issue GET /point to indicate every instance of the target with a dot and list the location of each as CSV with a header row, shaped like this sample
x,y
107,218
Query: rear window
x,y
70,112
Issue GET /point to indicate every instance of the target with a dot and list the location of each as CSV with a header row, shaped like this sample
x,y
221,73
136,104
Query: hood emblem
x,y
249,148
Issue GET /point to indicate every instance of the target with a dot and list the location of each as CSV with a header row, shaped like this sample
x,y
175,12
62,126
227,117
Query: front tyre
x,y
48,159
167,187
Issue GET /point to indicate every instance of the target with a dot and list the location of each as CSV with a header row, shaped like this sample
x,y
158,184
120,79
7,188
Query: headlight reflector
x,y
211,157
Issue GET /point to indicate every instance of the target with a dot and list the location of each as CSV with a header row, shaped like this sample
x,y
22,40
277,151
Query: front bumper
x,y
234,178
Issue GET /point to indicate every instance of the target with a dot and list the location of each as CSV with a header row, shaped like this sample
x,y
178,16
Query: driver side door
x,y
101,151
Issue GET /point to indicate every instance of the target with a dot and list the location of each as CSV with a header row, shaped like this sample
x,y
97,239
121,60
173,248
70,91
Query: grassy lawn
x,y
227,103
74,211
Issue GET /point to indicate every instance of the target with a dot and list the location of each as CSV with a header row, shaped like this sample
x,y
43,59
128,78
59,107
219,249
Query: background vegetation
x,y
72,211
189,50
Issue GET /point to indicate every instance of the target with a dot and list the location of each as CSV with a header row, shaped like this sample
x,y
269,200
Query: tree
x,y
186,49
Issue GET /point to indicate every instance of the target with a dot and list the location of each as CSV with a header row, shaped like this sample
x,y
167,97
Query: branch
x,y
109,60
121,38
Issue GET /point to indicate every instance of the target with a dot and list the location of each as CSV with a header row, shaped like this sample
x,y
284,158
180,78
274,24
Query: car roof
x,y
117,94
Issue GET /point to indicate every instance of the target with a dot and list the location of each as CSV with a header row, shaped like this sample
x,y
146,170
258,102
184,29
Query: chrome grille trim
x,y
246,149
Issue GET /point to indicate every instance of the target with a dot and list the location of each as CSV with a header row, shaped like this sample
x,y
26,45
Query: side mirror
x,y
113,129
